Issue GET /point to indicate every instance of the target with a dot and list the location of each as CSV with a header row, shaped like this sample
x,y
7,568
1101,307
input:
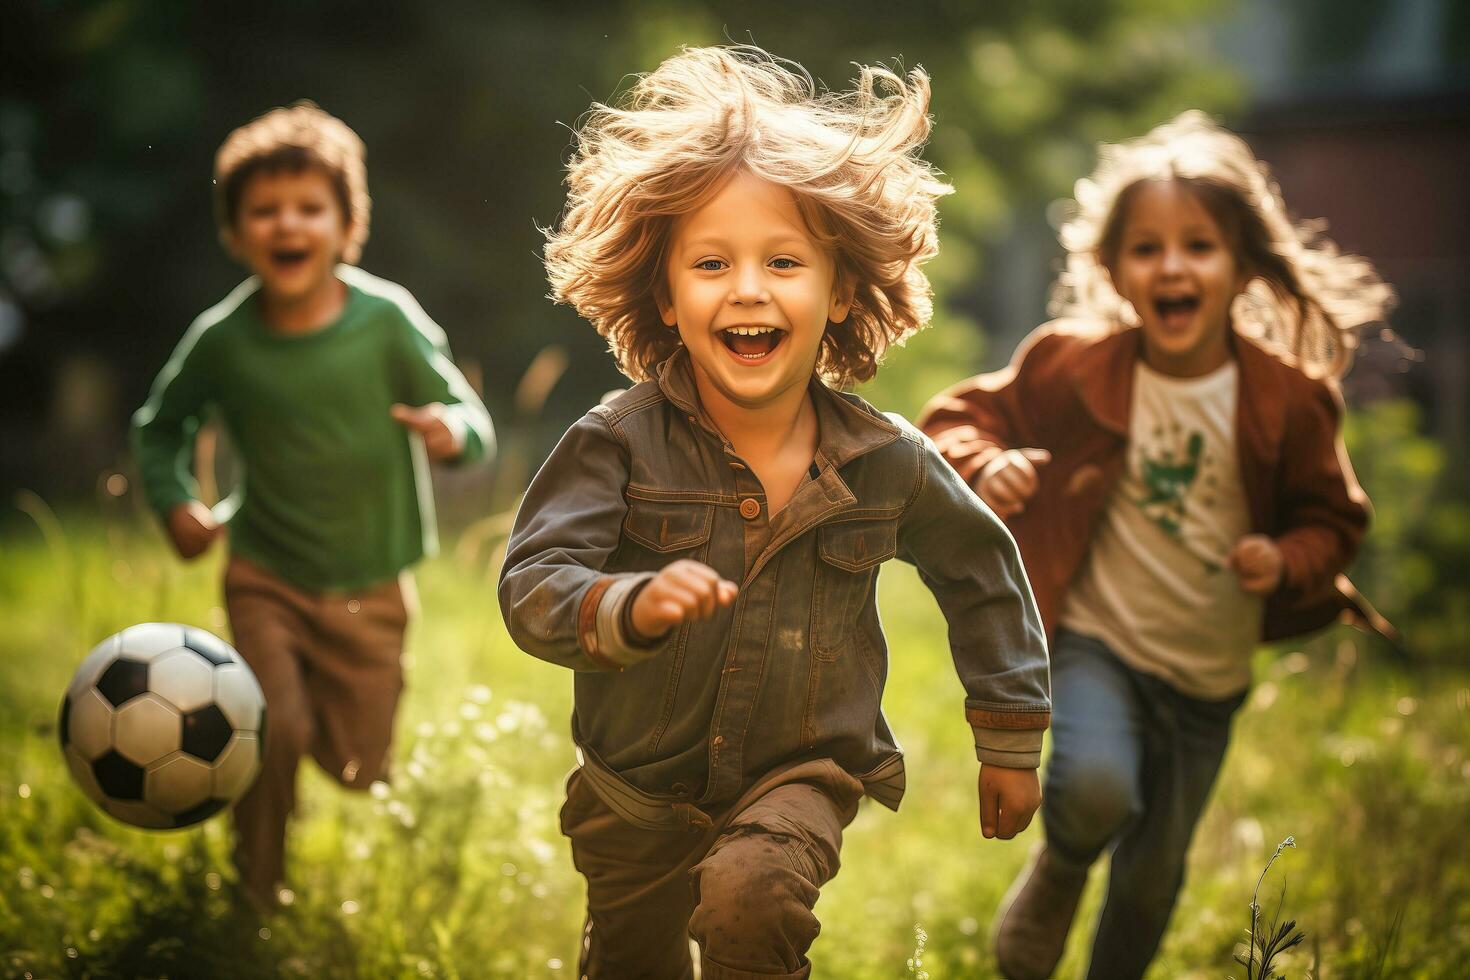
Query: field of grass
x,y
459,870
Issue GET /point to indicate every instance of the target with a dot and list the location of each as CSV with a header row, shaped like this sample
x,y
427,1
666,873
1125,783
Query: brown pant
x,y
329,665
743,889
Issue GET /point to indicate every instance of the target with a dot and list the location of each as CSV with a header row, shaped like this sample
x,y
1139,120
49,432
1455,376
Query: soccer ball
x,y
163,725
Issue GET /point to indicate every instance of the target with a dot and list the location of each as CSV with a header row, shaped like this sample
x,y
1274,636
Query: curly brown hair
x,y
1306,300
851,159
292,139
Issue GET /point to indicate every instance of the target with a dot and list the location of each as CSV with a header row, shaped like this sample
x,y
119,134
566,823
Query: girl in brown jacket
x,y
1167,456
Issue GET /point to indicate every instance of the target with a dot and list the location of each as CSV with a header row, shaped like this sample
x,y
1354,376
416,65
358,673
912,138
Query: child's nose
x,y
1173,262
749,286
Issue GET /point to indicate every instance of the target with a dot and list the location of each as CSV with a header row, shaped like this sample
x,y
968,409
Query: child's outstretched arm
x,y
977,420
438,403
1324,512
558,602
968,560
163,432
986,427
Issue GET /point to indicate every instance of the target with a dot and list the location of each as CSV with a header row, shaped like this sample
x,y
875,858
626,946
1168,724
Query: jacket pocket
x,y
668,526
850,554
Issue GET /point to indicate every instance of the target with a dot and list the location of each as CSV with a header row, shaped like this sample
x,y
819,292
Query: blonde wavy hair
x,y
851,159
298,137
1306,300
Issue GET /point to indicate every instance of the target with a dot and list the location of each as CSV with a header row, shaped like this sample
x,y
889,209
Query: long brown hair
x,y
1306,300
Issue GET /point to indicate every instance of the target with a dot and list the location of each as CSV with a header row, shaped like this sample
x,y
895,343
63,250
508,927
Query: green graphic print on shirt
x,y
1168,473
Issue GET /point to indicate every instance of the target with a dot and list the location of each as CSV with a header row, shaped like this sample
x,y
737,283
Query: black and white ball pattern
x,y
163,725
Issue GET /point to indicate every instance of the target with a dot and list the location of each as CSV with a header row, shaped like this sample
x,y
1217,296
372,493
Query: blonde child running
x,y
1167,455
703,550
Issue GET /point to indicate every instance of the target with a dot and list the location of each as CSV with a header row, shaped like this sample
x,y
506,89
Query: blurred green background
x,y
110,113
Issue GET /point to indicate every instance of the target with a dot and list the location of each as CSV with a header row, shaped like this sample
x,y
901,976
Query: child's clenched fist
x,y
680,592
1257,563
192,528
1009,480
429,421
1008,800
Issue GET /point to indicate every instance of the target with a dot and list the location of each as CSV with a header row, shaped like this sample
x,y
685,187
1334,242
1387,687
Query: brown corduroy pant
x,y
743,888
330,667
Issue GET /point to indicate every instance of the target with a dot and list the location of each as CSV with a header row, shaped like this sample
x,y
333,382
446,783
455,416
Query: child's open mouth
x,y
1175,311
752,343
286,259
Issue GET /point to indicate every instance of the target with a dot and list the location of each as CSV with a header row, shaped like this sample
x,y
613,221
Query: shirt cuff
x,y
458,428
613,642
1011,748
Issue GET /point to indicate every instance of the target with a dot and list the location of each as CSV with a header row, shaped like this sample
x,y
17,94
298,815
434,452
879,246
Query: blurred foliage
x,y
112,109
1415,563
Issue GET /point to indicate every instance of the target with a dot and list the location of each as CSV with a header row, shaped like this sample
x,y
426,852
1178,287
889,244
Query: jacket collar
x,y
1102,375
846,430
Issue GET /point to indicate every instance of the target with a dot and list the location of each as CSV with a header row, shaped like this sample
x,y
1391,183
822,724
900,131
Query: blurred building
x,y
1363,111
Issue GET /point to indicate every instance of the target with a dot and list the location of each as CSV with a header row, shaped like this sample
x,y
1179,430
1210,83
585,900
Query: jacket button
x,y
750,508
719,740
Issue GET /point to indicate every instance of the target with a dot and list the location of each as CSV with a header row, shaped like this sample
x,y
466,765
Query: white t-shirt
x,y
1156,586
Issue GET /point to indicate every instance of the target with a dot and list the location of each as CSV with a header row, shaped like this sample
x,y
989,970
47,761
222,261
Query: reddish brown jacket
x,y
1069,390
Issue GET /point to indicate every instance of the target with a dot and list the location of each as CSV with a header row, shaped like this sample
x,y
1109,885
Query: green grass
x,y
460,870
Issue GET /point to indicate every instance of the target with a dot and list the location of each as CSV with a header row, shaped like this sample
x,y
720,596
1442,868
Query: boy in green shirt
x,y
337,391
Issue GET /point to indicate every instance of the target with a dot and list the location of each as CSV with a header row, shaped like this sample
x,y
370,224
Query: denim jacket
x,y
794,669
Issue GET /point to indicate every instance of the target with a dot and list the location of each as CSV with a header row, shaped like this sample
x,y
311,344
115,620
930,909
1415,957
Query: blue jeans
x,y
1131,767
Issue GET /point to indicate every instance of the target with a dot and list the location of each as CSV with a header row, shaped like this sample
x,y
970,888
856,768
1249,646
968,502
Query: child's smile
x,y
1175,312
286,260
751,293
752,343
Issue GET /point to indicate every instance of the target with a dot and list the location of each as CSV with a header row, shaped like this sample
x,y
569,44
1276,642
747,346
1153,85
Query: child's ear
x,y
351,243
1247,276
665,304
230,242
841,304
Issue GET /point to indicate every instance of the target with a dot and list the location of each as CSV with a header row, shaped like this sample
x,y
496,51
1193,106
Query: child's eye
x,y
1143,248
784,263
710,265
1201,245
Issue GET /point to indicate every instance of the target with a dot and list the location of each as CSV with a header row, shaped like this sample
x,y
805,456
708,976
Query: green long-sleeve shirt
x,y
335,493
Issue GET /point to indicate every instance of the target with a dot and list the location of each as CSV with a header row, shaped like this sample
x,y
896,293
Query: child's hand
x,y
1008,800
682,591
1009,480
428,421
1256,561
192,528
